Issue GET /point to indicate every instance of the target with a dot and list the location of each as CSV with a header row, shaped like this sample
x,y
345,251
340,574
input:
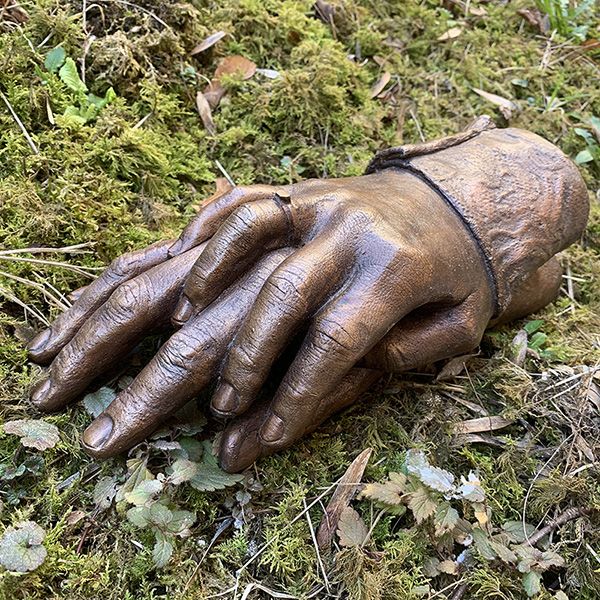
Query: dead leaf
x,y
593,394
483,424
506,106
75,517
450,34
346,489
478,11
352,530
590,44
205,112
11,11
380,85
519,348
495,99
395,43
448,566
454,367
326,13
536,19
211,40
230,65
584,447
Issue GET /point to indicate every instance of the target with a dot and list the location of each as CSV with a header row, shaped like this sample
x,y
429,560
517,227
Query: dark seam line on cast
x,y
400,164
289,219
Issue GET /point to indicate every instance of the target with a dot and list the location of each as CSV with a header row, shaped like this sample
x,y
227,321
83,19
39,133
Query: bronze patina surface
x,y
401,267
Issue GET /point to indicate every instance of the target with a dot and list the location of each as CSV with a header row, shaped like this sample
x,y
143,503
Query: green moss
x,y
135,174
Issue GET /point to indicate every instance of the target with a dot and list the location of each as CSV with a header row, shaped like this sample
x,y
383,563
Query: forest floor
x,y
334,84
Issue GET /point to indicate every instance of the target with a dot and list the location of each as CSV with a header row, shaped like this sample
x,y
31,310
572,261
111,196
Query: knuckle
x,y
176,356
126,300
359,215
294,394
285,288
331,338
124,265
244,217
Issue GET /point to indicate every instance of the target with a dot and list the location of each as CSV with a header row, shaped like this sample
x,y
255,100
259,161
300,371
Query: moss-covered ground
x,y
136,173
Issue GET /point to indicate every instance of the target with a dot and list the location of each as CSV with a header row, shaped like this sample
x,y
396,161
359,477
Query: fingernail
x,y
225,399
40,390
183,312
239,449
98,432
273,428
39,341
175,248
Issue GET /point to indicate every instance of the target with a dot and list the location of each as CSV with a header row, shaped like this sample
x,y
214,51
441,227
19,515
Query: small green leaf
x,y
144,492
97,402
139,516
181,522
137,472
585,134
433,477
537,340
504,553
160,515
191,449
104,491
189,419
483,544
352,530
470,489
21,549
422,504
550,559
532,326
70,76
516,532
10,472
520,82
162,551
445,519
209,478
55,59
585,156
529,557
531,581
182,470
34,433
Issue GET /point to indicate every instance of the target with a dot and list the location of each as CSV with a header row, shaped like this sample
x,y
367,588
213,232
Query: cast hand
x,y
372,253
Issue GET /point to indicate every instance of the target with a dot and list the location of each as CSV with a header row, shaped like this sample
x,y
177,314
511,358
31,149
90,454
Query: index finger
x,y
205,224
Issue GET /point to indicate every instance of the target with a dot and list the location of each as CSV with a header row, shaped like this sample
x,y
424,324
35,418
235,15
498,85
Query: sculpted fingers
x,y
44,347
183,366
289,297
429,334
241,443
250,231
341,333
213,215
135,309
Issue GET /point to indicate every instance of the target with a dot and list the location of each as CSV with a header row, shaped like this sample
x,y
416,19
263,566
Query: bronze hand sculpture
x,y
401,267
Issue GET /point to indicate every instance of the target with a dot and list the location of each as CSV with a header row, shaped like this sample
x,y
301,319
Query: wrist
x,y
520,197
